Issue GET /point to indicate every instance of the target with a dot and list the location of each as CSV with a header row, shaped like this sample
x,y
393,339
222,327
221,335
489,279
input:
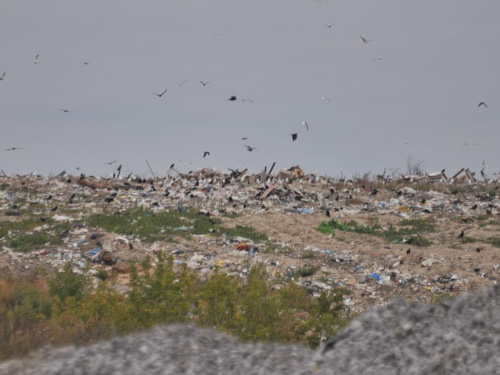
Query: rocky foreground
x,y
461,336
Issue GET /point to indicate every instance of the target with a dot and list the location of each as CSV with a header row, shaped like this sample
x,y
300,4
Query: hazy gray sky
x,y
412,91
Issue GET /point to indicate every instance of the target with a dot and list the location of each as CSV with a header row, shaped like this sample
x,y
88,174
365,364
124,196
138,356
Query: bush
x,y
69,284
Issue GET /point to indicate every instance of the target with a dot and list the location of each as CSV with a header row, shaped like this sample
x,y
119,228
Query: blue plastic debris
x,y
375,276
93,252
329,252
305,210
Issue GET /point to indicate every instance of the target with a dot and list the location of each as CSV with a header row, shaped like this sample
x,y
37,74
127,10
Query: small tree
x,y
69,284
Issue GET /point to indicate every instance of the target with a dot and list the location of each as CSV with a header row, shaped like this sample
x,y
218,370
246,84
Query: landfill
x,y
460,252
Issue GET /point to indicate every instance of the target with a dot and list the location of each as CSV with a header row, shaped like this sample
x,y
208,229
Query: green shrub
x,y
67,284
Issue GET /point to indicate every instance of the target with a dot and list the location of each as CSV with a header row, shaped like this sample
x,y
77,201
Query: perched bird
x,y
461,235
365,40
232,98
328,213
204,83
108,200
2,76
250,148
160,94
173,165
408,252
294,136
373,191
206,153
54,209
474,207
306,125
478,249
482,104
37,60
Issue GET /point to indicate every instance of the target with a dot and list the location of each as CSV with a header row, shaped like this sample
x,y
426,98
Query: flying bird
x,y
218,32
330,25
306,125
185,81
244,138
204,83
294,136
110,162
247,100
13,149
2,76
37,60
65,110
206,153
365,40
161,93
482,104
325,98
85,62
250,148
232,98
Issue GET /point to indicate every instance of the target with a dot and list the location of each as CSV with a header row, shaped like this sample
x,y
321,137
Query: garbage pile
x,y
287,207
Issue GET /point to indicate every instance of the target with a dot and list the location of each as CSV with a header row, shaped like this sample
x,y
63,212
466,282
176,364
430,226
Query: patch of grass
x,y
103,275
27,235
245,232
163,226
276,247
467,239
495,241
438,299
11,226
308,255
151,226
409,230
33,241
306,271
4,186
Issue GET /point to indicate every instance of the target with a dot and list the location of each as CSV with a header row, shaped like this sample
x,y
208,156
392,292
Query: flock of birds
x,y
37,60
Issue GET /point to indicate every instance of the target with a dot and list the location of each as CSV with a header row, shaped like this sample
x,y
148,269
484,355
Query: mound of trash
x,y
460,336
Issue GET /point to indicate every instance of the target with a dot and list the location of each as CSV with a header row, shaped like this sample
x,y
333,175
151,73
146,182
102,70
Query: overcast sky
x,y
410,93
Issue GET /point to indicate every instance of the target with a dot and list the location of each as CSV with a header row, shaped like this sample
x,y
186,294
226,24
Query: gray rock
x,y
175,349
461,336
